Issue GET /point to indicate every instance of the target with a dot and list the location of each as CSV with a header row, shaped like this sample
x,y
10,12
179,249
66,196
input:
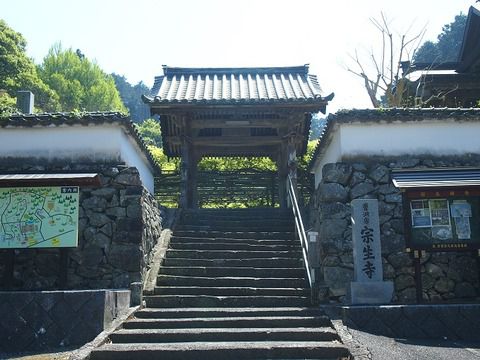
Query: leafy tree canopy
x,y
18,72
316,126
151,132
132,97
447,46
80,83
236,163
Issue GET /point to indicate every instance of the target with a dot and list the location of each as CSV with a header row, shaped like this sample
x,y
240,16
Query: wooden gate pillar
x,y
282,166
292,161
188,173
193,179
287,165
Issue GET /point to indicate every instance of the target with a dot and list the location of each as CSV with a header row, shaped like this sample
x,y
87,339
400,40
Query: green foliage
x,y
18,72
7,104
132,97
316,126
236,163
80,83
447,46
305,160
151,132
162,160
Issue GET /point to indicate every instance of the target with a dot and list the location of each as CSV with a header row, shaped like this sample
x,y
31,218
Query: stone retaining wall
x,y
38,320
452,321
119,224
446,276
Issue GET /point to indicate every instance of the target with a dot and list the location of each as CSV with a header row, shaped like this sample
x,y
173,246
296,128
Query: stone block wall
x,y
445,276
119,224
38,320
438,321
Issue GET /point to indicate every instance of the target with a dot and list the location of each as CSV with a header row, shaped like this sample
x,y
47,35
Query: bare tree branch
x,y
386,77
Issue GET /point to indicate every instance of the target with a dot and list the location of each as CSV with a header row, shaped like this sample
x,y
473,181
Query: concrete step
x,y
205,240
232,246
258,222
233,322
232,254
244,214
229,291
178,313
243,234
232,271
276,282
226,301
258,262
222,334
222,350
246,226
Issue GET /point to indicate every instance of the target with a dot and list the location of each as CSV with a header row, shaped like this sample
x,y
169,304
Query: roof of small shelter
x,y
468,59
388,115
264,85
76,119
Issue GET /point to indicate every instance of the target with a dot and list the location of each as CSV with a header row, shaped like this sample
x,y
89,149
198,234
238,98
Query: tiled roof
x,y
405,114
85,119
236,85
415,178
389,115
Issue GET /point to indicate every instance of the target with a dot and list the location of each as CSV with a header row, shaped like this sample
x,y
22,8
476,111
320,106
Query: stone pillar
x,y
368,286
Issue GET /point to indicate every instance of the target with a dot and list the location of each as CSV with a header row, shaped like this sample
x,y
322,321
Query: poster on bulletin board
x,y
39,217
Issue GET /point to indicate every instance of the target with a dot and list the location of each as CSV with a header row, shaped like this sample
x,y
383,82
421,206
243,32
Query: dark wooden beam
x,y
238,123
228,140
260,151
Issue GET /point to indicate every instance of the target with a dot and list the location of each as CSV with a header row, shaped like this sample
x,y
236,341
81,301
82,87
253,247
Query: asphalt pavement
x,y
376,347
366,346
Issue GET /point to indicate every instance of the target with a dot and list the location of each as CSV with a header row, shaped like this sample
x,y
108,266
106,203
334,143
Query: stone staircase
x,y
232,286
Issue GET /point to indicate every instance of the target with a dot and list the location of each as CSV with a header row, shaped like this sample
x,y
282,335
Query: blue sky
x,y
134,38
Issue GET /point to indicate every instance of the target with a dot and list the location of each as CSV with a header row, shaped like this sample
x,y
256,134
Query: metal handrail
x,y
301,233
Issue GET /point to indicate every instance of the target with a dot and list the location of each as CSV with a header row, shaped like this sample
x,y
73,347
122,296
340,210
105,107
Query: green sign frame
x,y
39,217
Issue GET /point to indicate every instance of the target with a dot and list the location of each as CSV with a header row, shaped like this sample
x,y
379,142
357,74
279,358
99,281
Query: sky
x,y
135,38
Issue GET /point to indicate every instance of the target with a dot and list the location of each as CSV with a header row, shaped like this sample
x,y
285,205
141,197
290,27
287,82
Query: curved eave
x,y
317,102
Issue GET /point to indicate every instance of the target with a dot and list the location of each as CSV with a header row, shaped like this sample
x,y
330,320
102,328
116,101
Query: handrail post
x,y
314,262
308,249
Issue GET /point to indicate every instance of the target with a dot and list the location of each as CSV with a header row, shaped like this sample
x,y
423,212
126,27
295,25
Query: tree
x,y
80,83
18,72
447,46
132,97
316,126
382,73
151,132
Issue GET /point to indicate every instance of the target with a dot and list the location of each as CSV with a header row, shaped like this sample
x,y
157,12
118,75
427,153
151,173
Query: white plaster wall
x,y
435,138
412,138
71,143
133,156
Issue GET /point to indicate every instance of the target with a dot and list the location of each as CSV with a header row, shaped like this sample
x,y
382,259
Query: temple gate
x,y
225,112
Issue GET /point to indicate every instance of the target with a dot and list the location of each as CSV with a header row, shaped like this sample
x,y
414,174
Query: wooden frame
x,y
437,193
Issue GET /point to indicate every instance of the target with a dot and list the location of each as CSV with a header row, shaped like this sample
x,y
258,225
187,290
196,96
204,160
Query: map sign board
x,y
39,217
